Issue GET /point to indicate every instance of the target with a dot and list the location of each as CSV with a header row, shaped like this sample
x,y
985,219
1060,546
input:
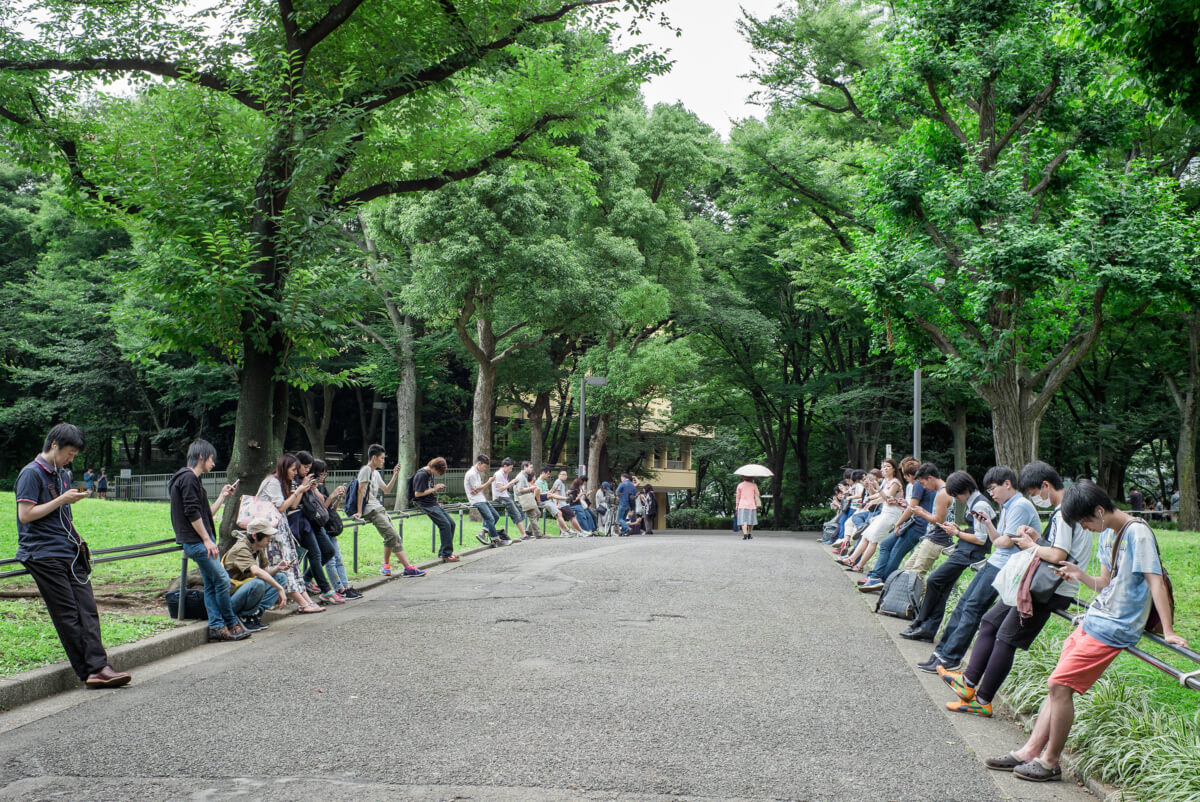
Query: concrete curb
x,y
38,683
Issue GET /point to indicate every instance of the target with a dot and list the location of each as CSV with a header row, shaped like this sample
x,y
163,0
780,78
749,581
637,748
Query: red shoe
x,y
453,558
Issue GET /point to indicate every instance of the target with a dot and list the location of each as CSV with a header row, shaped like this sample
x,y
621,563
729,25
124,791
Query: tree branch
x,y
167,69
329,23
1054,164
944,115
507,352
447,177
377,337
1052,376
1039,102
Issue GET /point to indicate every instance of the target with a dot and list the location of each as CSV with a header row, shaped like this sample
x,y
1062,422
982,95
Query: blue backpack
x,y
351,506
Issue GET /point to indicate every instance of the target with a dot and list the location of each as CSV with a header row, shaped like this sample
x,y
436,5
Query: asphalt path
x,y
664,667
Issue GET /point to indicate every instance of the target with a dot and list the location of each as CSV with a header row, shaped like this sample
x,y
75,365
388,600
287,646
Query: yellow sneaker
x,y
957,684
974,707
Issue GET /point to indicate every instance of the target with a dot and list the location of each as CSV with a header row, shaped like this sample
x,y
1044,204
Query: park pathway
x,y
664,667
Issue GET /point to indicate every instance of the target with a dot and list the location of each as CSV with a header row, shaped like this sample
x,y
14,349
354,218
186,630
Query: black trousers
x,y
938,586
73,610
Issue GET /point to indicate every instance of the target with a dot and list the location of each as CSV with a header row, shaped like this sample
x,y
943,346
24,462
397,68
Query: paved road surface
x,y
696,666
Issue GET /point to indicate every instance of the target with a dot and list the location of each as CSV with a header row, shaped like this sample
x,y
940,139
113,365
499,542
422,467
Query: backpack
x,y
902,594
412,489
830,529
351,505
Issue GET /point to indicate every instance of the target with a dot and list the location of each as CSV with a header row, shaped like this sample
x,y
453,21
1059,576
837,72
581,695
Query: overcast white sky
x,y
709,57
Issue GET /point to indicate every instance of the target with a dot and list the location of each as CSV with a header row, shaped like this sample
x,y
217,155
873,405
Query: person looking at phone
x,y
53,553
972,546
1126,592
369,507
255,584
1016,511
192,520
425,490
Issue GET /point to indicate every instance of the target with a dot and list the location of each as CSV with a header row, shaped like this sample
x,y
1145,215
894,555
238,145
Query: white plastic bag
x,y
1008,581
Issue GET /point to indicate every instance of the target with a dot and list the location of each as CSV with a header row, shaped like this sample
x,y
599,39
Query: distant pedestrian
x,y
424,494
626,491
1136,502
51,549
89,482
748,499
102,484
192,520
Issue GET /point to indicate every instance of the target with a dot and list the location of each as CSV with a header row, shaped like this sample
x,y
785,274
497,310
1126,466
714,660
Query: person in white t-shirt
x,y
501,491
475,484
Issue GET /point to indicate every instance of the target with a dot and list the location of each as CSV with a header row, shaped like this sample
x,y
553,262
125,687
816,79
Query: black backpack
x,y
412,488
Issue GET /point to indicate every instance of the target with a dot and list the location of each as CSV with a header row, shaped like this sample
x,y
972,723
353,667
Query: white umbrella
x,y
753,470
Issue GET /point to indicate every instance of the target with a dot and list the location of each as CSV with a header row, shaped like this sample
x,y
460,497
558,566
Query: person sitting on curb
x,y
1129,586
971,548
1005,629
474,484
1015,511
256,585
51,550
192,520
424,495
368,506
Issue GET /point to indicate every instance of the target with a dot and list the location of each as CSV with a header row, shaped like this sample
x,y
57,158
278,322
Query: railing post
x,y
433,546
460,527
356,548
182,586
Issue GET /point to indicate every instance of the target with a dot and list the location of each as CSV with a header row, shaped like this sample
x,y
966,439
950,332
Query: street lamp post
x,y
594,381
382,407
917,414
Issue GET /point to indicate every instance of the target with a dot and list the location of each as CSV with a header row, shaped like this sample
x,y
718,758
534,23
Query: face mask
x,y
1038,501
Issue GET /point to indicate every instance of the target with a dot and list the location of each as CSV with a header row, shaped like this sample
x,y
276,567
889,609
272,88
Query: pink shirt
x,y
745,496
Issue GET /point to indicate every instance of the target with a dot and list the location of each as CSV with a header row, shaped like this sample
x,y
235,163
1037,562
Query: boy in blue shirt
x,y
1125,592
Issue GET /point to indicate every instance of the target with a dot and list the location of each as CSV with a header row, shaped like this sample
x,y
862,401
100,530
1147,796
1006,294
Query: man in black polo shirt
x,y
53,553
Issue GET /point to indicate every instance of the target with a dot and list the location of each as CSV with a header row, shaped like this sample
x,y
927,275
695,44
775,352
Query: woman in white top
x,y
281,547
891,491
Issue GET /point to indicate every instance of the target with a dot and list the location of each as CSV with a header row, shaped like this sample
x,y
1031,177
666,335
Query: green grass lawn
x,y
105,524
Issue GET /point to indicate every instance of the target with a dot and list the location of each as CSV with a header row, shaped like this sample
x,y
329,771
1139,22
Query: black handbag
x,y
193,604
334,526
316,512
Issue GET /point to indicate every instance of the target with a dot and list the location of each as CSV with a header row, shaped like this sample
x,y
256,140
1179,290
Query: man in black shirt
x,y
51,550
192,520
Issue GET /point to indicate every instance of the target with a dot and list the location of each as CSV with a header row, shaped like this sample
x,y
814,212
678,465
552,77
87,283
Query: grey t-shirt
x,y
369,478
560,489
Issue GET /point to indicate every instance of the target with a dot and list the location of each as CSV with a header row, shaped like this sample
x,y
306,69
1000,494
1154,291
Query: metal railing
x,y
153,486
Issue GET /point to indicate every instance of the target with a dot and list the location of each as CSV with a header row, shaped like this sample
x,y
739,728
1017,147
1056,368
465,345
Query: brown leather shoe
x,y
108,678
219,635
238,632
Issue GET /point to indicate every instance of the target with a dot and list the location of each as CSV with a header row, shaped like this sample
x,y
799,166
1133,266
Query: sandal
x,y
1003,763
310,611
1034,771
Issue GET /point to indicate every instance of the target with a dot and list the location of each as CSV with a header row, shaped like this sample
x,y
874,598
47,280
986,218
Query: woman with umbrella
x,y
748,498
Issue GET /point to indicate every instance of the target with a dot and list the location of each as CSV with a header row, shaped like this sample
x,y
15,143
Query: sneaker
x,y
932,665
312,588
974,707
249,623
385,569
501,541
957,683
483,538
530,537
333,597
413,570
258,622
351,593
451,558
871,585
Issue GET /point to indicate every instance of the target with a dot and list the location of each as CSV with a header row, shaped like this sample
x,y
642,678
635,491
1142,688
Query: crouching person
x,y
1129,586
192,520
256,585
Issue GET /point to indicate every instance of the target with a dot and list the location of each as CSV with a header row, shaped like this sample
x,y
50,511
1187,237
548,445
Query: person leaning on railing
x,y
1127,589
56,557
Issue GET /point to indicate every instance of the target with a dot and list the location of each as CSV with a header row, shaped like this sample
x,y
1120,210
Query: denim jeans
x,y
940,583
325,546
445,526
255,597
216,586
585,518
335,568
964,621
622,515
892,552
488,513
514,512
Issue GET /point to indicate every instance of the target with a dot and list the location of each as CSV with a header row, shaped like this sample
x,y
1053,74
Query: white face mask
x,y
1038,501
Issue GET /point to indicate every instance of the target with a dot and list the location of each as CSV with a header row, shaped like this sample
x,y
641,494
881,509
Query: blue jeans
x,y
444,525
975,601
255,597
892,552
622,515
335,568
216,586
515,513
489,515
585,518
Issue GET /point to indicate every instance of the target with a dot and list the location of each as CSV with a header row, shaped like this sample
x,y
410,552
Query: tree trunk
x,y
537,431
958,426
316,424
483,407
596,443
1188,402
1012,433
254,448
406,412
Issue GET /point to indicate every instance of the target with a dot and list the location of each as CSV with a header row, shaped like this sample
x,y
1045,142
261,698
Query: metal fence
x,y
153,486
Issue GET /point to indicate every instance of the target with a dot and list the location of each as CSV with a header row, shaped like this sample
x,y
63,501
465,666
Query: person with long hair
x,y
282,549
889,494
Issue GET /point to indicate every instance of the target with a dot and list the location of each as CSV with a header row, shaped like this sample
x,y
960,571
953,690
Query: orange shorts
x,y
1082,662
